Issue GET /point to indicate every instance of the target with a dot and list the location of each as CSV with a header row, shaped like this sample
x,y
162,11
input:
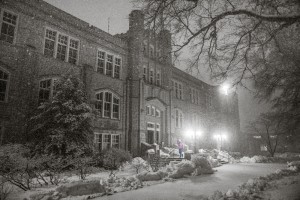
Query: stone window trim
x,y
107,140
71,45
15,26
6,80
111,64
107,104
51,89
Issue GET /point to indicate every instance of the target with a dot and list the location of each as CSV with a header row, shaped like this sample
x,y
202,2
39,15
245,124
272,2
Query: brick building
x,y
129,78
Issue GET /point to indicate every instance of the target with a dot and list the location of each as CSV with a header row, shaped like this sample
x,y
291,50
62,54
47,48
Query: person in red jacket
x,y
180,147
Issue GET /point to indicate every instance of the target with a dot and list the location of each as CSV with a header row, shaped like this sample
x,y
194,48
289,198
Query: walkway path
x,y
228,176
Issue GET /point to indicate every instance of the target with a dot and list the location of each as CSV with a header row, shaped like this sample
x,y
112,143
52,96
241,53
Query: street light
x,y
193,134
224,88
220,138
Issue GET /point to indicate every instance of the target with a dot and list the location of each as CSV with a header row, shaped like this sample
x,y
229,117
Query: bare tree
x,y
269,127
224,35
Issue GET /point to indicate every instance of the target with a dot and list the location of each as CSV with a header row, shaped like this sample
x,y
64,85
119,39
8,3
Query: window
x,y
1,133
177,87
105,141
153,111
151,76
73,51
148,110
108,105
208,101
150,132
47,90
178,118
145,48
117,67
157,133
115,141
158,78
8,24
108,64
61,46
101,62
145,73
194,96
151,51
157,113
4,77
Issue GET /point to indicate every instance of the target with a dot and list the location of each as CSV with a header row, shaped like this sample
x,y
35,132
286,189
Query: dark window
x,y
3,85
9,22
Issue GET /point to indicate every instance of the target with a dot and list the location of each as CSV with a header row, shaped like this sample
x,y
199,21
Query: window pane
x,y
107,105
116,108
62,47
3,85
50,43
109,65
99,103
72,56
101,62
45,90
8,27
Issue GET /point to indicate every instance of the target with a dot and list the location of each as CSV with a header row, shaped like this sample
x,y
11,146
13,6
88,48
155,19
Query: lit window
x,y
47,89
117,68
8,26
178,118
108,105
3,85
109,65
61,46
101,62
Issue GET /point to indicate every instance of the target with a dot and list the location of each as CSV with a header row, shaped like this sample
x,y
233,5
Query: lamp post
x,y
220,138
193,134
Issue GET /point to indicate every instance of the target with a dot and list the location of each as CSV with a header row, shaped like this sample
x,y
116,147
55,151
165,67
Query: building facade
x,y
139,96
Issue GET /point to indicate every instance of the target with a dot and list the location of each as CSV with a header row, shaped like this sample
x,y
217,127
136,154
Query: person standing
x,y
180,148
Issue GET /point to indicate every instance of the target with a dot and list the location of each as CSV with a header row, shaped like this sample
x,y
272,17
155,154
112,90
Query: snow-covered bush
x,y
294,164
152,176
16,167
5,189
254,159
113,158
183,168
202,165
139,164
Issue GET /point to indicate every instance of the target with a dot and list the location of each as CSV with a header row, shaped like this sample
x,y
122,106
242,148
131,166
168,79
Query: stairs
x,y
156,162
